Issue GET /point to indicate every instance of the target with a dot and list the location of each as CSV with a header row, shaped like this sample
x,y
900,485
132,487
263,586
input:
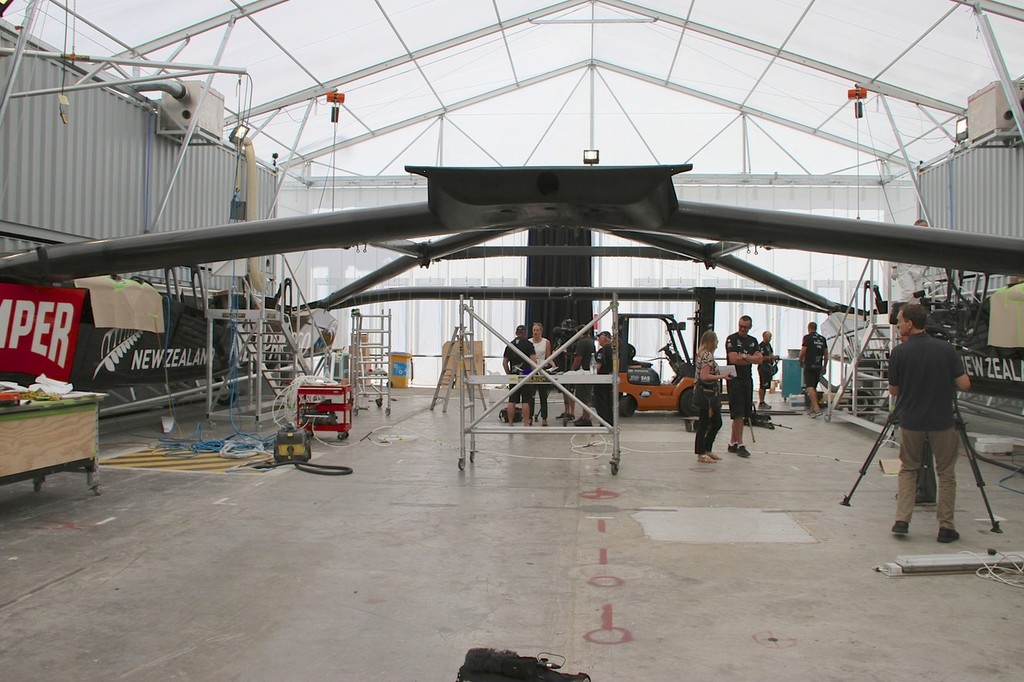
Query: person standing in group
x,y
709,418
768,368
581,360
513,364
604,363
742,352
813,353
542,351
923,374
563,363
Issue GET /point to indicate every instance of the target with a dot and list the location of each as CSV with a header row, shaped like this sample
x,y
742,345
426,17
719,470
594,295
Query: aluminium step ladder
x,y
460,355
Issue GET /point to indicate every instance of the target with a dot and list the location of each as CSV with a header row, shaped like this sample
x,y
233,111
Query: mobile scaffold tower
x,y
370,358
470,424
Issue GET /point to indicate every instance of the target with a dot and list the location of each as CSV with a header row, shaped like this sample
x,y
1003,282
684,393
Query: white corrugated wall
x,y
106,172
978,190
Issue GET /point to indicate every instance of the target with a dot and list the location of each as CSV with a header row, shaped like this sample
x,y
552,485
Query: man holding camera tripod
x,y
924,372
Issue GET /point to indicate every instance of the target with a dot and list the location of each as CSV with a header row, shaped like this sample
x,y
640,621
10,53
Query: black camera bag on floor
x,y
492,665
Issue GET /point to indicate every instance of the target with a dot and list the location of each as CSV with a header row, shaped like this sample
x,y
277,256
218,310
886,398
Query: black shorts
x,y
524,394
741,398
764,378
812,376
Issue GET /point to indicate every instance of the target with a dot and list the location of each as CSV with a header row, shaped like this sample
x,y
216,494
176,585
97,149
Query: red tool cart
x,y
324,408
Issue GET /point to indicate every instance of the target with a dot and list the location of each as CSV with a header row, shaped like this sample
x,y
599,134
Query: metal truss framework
x,y
110,72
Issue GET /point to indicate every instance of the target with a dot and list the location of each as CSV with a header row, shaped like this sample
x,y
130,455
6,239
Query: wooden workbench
x,y
47,437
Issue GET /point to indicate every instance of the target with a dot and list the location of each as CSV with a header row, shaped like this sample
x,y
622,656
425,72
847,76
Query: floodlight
x,y
591,157
239,134
961,129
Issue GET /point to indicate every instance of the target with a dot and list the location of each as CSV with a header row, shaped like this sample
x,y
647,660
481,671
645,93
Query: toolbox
x,y
324,408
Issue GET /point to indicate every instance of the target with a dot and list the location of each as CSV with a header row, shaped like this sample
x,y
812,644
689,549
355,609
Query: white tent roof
x,y
732,86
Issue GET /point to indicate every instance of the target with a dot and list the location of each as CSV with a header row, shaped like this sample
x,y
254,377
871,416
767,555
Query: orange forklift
x,y
641,387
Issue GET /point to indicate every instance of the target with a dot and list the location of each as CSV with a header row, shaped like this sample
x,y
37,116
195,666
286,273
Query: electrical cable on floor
x,y
229,448
577,448
499,453
308,467
1012,576
388,440
1002,481
807,454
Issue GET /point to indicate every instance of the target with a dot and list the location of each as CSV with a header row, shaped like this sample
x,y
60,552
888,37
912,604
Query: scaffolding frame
x,y
469,431
370,359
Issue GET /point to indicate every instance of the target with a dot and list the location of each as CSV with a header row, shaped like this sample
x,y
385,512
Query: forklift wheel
x,y
627,406
685,405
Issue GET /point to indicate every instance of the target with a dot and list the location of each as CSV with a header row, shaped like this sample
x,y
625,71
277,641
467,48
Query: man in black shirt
x,y
514,364
768,368
581,359
813,352
742,354
604,363
924,372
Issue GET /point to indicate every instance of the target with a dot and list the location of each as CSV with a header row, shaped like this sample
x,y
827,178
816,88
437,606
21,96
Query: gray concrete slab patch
x,y
720,525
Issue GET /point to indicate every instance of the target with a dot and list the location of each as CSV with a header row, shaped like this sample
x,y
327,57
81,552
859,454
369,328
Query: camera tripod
x,y
961,429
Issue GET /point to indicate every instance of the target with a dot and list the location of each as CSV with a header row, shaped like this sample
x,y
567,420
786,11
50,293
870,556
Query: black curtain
x,y
559,271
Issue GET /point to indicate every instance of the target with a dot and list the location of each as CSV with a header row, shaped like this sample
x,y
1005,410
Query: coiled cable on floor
x,y
308,467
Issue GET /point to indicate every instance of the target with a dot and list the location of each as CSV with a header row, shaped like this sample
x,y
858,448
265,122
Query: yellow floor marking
x,y
207,462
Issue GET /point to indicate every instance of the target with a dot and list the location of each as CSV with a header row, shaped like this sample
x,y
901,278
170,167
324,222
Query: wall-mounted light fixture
x,y
961,129
591,157
239,134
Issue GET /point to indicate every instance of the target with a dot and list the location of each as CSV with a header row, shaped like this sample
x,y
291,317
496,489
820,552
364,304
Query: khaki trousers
x,y
944,449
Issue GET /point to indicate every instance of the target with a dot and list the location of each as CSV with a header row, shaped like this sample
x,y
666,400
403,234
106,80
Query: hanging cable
x,y
63,103
857,95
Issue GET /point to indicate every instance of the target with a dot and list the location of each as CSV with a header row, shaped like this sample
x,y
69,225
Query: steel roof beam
x,y
991,7
728,104
750,111
308,93
420,118
762,48
200,27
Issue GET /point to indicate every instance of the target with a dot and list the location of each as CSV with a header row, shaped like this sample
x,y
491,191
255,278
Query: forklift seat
x,y
628,358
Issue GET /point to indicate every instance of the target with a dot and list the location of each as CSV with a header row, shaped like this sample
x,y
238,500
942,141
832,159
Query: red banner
x,y
39,329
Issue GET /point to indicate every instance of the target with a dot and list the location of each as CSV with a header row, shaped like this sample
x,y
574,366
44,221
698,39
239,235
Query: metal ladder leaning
x,y
459,354
370,358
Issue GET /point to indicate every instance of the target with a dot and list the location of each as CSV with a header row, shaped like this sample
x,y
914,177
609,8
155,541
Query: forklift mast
x,y
675,350
703,312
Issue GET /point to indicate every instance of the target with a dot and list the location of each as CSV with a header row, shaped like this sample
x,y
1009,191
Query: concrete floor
x,y
742,570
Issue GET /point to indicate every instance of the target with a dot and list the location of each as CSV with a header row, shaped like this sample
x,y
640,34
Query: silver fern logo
x,y
115,344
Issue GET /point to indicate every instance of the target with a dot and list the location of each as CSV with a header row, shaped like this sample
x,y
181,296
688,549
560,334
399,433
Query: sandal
x,y
705,459
714,456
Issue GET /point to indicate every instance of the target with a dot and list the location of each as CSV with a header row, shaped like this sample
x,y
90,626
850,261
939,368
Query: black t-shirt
x,y
817,349
515,362
585,351
734,343
604,359
767,351
925,369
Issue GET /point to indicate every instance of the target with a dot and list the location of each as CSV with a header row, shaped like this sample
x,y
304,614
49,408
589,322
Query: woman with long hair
x,y
542,347
709,419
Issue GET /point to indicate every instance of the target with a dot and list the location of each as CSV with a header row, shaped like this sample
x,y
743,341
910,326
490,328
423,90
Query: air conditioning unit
x,y
988,110
175,115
